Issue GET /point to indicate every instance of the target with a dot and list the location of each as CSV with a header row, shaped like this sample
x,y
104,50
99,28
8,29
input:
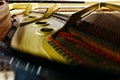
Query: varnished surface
x,y
5,20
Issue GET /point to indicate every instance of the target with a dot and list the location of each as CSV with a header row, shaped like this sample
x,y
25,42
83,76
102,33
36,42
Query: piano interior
x,y
86,34
92,39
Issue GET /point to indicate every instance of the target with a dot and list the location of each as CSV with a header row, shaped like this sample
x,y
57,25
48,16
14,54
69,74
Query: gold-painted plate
x,y
29,38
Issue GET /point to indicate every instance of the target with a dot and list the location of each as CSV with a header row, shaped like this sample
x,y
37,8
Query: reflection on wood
x,y
5,20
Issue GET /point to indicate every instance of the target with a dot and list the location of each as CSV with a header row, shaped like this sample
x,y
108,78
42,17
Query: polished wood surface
x,y
5,20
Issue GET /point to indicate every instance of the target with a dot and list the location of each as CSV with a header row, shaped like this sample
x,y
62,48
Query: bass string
x,y
79,51
79,60
114,55
103,33
107,63
74,49
107,27
61,52
108,21
86,56
100,35
95,50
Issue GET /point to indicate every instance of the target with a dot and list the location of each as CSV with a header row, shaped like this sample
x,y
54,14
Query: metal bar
x,y
112,6
48,12
77,16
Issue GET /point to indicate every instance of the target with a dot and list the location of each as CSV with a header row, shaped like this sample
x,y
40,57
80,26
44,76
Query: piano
x,y
70,38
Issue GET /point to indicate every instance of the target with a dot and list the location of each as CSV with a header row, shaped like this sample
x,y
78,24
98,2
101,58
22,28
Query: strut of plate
x,y
90,37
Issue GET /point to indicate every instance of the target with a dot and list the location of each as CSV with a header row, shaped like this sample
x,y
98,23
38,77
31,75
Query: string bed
x,y
93,41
